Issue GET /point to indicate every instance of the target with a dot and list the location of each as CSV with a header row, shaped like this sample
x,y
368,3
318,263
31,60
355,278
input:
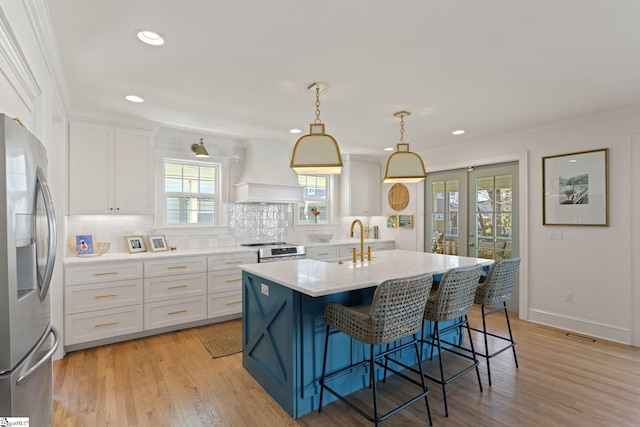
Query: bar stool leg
x,y
436,335
486,344
473,351
324,367
513,344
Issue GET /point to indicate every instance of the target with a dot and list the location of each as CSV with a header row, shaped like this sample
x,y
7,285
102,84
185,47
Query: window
x,y
191,192
316,195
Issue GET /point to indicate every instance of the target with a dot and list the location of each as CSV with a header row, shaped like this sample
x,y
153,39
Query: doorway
x,y
474,212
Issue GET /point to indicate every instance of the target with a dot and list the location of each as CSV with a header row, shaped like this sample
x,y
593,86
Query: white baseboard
x,y
616,333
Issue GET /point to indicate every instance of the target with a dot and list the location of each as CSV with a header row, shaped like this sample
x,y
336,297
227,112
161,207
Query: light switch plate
x,y
264,289
555,234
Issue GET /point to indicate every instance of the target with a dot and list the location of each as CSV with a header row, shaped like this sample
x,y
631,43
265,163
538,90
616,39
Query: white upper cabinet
x,y
110,169
359,187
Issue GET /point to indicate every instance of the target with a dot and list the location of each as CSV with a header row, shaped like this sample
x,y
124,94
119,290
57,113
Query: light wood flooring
x,y
171,380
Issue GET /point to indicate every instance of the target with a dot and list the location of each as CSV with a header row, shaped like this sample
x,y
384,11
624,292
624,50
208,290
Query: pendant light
x,y
200,150
316,153
403,165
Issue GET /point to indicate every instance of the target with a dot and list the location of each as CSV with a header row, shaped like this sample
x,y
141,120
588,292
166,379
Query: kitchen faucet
x,y
355,252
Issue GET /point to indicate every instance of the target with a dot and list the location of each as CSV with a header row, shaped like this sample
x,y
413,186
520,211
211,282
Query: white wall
x,y
593,262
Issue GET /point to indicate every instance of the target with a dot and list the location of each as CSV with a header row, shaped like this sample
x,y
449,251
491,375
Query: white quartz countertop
x,y
317,278
146,256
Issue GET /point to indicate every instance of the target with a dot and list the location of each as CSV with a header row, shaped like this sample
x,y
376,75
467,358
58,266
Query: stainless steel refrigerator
x,y
27,255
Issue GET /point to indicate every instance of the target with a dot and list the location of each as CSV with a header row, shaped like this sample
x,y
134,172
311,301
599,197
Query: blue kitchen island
x,y
283,330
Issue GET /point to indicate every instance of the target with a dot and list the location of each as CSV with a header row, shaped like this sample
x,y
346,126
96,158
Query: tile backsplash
x,y
256,222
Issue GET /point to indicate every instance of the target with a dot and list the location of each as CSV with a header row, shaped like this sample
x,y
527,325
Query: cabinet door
x,y
133,171
90,168
360,189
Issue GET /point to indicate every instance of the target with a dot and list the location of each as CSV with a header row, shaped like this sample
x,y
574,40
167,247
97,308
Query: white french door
x,y
474,212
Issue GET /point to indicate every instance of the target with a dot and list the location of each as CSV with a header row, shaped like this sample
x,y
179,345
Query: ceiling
x,y
242,68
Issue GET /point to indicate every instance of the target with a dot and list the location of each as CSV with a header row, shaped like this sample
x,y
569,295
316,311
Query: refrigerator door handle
x,y
22,378
43,187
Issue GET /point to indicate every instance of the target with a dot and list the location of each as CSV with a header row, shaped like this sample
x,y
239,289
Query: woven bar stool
x,y
452,300
496,289
395,312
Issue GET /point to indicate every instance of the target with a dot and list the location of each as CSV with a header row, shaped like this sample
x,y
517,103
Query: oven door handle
x,y
22,378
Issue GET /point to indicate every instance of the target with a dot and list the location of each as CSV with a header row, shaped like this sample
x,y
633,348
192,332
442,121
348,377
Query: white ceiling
x,y
242,67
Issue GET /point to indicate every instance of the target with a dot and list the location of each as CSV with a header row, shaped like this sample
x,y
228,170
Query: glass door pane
x,y
445,201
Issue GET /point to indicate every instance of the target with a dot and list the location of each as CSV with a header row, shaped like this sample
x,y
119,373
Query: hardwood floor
x,y
171,380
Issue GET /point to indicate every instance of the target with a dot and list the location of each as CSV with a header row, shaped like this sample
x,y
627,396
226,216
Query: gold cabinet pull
x,y
107,273
234,302
234,262
322,253
100,325
233,280
106,296
177,286
177,312
176,267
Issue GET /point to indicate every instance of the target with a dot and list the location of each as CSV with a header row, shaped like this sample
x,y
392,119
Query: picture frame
x,y
576,188
405,221
158,243
392,221
135,244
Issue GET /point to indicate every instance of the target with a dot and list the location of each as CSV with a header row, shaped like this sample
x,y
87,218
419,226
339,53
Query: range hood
x,y
267,177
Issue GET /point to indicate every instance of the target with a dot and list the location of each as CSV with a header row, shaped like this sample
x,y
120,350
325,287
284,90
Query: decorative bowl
x,y
325,237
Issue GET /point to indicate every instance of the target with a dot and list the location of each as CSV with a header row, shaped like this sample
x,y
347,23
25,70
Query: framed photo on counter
x,y
158,243
135,244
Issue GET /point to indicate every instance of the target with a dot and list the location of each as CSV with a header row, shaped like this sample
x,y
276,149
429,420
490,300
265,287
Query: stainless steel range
x,y
278,251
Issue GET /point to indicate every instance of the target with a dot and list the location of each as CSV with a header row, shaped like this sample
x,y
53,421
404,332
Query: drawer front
x,y
172,287
168,313
102,272
225,303
225,280
230,260
384,246
325,252
175,266
99,296
84,327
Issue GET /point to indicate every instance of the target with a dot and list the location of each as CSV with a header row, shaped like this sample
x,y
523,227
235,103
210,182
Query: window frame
x,y
309,201
217,196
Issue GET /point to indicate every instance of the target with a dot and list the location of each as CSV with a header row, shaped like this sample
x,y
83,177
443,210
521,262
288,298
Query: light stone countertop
x,y
147,256
318,278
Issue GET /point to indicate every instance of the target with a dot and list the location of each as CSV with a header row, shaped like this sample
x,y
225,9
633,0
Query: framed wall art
x,y
575,188
158,243
405,221
392,221
135,244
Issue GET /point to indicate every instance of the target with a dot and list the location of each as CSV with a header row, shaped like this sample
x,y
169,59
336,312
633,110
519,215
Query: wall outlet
x,y
264,289
567,296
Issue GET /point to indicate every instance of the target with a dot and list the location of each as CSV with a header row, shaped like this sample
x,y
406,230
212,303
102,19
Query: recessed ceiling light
x,y
388,149
458,132
295,131
572,161
133,98
150,37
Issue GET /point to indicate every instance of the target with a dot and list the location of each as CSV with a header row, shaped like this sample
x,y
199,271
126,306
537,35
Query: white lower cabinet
x,y
111,299
225,283
102,301
174,312
101,324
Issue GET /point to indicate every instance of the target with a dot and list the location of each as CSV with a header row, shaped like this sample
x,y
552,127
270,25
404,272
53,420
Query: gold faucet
x,y
355,252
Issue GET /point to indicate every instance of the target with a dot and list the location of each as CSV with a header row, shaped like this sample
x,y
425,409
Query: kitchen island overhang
x,y
283,330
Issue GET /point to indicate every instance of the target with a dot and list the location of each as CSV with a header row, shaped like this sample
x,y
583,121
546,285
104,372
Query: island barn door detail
x,y
474,212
